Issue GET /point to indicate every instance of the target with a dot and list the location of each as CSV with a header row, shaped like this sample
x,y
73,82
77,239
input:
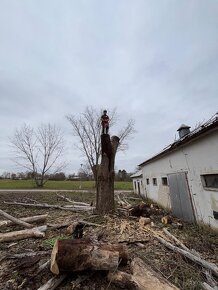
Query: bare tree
x,y
87,127
39,150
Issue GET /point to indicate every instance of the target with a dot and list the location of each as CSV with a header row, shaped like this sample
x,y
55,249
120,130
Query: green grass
x,y
67,185
50,242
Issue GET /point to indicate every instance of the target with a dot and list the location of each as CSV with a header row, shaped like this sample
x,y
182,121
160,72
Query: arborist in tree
x,y
105,122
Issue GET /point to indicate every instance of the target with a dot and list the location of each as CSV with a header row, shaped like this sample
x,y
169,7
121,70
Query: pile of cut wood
x,y
92,253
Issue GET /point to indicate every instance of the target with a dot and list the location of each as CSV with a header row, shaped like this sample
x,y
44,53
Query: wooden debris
x,y
142,278
210,266
72,201
178,242
205,286
144,221
54,206
167,220
23,234
53,283
83,254
29,254
15,220
145,210
31,219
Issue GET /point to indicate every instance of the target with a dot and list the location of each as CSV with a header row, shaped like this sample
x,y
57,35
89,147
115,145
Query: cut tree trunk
x,y
82,254
30,219
24,234
142,278
15,220
105,183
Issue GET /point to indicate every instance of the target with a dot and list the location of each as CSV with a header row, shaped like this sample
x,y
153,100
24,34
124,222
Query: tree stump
x,y
105,183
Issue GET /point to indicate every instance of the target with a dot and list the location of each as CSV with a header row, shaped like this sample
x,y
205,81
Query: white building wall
x,y
197,158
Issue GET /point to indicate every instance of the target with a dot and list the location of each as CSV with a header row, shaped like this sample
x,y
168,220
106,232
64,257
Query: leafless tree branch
x,y
39,150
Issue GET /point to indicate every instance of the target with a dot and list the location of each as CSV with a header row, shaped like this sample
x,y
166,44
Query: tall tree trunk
x,y
105,191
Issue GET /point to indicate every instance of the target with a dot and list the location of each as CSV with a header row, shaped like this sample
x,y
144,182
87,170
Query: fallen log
x,y
15,220
210,266
29,254
31,219
178,242
83,254
23,234
72,201
53,283
142,278
54,206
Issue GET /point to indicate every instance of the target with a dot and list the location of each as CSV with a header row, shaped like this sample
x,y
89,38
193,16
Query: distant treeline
x,y
120,175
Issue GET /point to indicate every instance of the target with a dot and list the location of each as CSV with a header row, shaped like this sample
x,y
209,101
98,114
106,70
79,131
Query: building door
x,y
139,189
181,202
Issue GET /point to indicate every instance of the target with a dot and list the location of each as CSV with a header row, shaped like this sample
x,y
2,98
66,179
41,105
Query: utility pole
x,y
81,165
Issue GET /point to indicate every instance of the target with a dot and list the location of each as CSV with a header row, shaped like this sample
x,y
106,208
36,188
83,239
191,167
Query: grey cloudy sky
x,y
155,61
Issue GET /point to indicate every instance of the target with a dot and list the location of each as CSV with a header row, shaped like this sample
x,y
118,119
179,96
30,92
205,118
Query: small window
x,y
154,181
210,180
147,180
164,181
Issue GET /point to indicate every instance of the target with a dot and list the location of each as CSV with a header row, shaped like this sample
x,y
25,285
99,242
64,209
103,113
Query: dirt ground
x,y
15,274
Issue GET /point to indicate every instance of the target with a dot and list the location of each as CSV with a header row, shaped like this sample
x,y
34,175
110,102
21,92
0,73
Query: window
x,y
154,181
147,180
210,180
164,181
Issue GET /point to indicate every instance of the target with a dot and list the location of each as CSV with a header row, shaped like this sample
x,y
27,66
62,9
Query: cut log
x,y
210,266
15,220
23,234
142,278
178,242
30,219
53,283
82,254
166,220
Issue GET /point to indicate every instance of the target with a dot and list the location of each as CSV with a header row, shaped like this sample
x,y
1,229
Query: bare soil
x,y
116,228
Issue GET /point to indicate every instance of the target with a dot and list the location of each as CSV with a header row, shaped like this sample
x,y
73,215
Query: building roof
x,y
201,130
137,174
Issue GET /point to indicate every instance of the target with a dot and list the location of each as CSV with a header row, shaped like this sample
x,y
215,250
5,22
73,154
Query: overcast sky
x,y
155,61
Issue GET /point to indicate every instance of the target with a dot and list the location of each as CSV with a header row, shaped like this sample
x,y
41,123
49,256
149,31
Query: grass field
x,y
29,184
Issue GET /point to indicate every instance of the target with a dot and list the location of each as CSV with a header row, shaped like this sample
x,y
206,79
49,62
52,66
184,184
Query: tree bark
x,y
24,234
30,219
82,254
105,192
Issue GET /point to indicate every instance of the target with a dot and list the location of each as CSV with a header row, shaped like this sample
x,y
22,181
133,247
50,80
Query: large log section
x,y
105,183
83,254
